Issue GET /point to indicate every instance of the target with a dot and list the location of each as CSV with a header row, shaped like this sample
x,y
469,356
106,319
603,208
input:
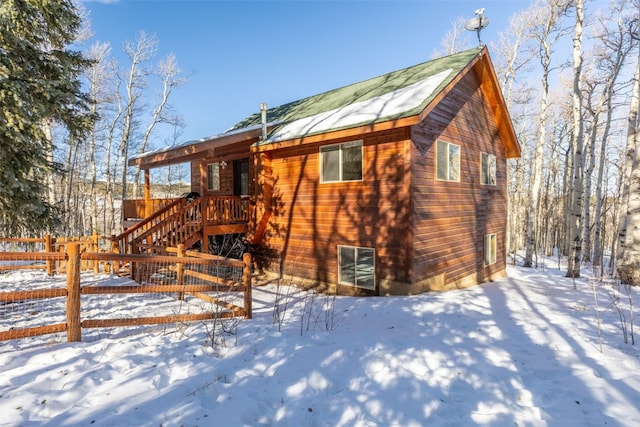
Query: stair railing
x,y
123,242
179,227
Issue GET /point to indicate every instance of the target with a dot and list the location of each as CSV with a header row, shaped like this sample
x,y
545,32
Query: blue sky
x,y
241,53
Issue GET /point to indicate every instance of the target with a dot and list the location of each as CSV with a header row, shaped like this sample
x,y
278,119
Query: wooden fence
x,y
223,284
32,259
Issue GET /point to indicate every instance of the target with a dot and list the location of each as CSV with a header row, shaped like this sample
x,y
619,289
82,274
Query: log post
x,y
48,248
180,270
246,279
74,329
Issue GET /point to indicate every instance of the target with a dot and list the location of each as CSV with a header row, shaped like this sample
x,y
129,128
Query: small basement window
x,y
357,267
447,161
213,176
487,169
490,249
341,162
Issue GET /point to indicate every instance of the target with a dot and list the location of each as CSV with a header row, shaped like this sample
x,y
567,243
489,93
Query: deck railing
x,y
136,209
226,210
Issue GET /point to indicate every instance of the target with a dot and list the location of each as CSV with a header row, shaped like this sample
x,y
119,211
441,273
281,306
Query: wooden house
x,y
393,185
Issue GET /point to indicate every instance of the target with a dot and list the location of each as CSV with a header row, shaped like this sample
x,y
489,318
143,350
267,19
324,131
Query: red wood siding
x,y
228,154
310,219
451,219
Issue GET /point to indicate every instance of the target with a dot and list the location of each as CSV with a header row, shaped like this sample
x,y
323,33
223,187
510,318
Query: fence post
x,y
95,247
180,270
74,329
246,278
48,248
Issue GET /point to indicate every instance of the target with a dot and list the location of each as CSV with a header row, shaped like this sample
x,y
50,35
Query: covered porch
x,y
221,199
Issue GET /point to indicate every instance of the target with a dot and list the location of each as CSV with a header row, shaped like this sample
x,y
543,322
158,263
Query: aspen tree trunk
x,y
138,52
597,243
98,53
575,231
629,266
534,188
586,205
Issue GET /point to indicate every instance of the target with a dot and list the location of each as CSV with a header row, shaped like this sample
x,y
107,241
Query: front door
x,y
241,177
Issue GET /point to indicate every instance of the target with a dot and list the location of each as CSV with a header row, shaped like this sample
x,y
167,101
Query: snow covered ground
x,y
523,351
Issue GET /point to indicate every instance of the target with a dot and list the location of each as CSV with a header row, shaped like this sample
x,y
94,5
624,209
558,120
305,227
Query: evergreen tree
x,y
39,87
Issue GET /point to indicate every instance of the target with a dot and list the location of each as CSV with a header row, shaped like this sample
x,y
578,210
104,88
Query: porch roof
x,y
194,149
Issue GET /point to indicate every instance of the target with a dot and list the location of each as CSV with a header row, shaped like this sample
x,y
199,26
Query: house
x,y
393,185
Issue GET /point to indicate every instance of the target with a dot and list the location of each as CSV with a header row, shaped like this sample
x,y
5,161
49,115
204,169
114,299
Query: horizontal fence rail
x,y
184,287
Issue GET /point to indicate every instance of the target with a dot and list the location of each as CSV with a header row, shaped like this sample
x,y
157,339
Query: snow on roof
x,y
390,104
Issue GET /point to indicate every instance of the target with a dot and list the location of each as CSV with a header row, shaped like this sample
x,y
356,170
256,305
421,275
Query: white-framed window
x,y
490,249
213,176
447,161
487,169
356,267
341,162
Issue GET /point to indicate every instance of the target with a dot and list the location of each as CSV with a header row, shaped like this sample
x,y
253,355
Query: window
x,y
490,249
241,177
341,162
447,161
356,267
213,176
487,169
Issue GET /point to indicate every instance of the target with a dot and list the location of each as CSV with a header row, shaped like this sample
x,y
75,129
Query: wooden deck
x,y
152,223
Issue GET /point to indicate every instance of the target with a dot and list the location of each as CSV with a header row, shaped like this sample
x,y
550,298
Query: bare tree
x,y
609,57
139,52
96,75
544,19
455,40
169,72
509,63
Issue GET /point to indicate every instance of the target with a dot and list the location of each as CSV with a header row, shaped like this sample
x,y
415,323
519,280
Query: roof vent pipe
x,y
263,112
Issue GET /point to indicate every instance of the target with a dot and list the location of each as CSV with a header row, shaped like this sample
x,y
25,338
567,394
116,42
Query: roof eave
x,y
188,152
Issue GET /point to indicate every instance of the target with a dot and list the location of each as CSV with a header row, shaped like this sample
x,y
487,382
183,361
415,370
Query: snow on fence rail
x,y
119,290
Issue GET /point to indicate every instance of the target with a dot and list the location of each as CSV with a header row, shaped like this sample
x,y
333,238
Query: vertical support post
x,y
115,249
148,206
48,248
180,270
204,202
74,329
246,279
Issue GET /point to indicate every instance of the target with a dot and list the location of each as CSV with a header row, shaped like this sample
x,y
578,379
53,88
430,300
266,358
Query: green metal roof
x,y
368,90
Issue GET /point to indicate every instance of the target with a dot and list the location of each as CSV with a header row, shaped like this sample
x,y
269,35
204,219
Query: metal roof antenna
x,y
477,23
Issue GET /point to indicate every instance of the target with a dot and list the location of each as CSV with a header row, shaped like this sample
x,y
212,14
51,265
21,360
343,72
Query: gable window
x,y
213,176
341,162
490,249
487,169
447,161
356,267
